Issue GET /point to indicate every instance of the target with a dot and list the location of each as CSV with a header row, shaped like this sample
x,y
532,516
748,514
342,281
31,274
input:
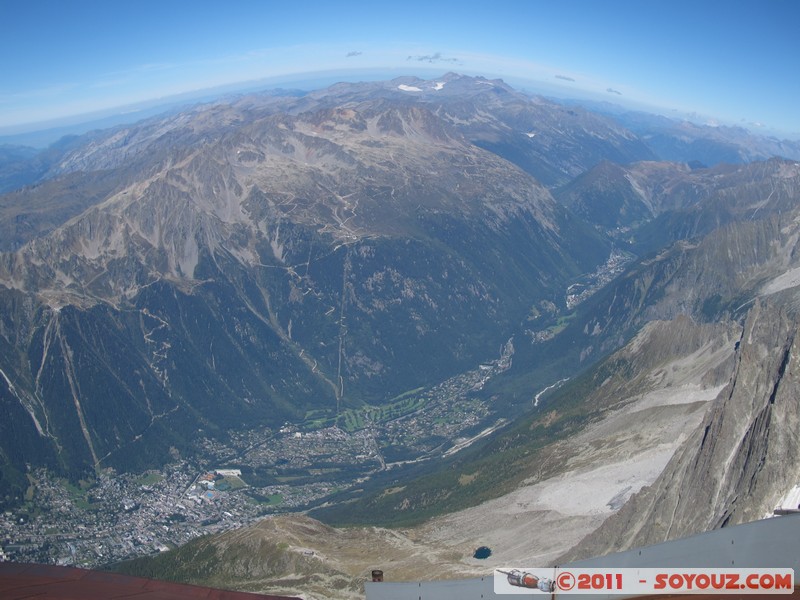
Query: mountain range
x,y
250,261
263,258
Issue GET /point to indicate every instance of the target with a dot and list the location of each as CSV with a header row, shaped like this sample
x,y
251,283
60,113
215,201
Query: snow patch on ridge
x,y
789,279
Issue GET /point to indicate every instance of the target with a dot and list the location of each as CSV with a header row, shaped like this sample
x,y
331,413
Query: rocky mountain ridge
x,y
700,142
254,262
737,464
250,262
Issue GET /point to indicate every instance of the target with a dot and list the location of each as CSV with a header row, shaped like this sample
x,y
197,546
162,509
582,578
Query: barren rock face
x,y
738,463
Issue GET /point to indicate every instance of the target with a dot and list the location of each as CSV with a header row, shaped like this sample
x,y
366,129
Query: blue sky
x,y
734,61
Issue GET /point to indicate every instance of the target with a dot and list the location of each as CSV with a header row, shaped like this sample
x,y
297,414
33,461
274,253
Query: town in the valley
x,y
113,516
116,516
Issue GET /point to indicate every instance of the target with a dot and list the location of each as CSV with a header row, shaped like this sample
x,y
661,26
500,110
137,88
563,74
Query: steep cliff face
x,y
739,462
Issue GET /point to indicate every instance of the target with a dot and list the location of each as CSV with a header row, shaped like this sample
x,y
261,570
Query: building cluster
x,y
118,516
578,292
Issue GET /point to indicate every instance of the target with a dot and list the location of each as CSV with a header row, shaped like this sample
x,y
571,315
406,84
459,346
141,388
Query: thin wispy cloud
x,y
434,58
353,53
613,91
565,78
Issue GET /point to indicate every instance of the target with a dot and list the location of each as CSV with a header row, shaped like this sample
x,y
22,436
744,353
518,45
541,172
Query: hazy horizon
x,y
730,62
47,132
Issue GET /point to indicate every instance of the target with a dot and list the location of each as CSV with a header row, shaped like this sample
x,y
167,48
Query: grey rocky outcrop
x,y
738,463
